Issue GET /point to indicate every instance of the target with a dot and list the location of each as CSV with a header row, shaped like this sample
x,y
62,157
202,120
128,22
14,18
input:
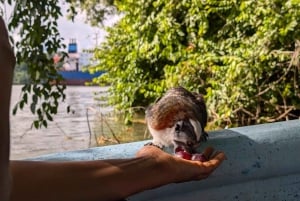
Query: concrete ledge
x,y
263,164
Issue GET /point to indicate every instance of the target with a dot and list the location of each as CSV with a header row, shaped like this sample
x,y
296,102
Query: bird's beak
x,y
189,149
185,147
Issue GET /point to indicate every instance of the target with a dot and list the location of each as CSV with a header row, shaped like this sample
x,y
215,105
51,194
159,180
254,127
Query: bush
x,y
243,55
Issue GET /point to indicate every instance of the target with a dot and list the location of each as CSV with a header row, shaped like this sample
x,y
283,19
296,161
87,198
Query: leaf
x,y
15,109
68,109
21,104
32,108
45,124
49,117
36,124
34,99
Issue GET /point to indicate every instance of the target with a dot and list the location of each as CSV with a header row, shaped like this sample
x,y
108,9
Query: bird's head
x,y
187,135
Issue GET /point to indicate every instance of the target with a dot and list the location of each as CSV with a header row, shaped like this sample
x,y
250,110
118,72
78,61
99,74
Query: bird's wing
x,y
177,104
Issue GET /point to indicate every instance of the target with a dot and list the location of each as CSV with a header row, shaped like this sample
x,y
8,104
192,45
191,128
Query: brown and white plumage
x,y
178,118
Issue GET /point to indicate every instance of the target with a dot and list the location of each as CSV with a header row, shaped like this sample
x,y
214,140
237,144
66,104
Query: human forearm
x,y
106,179
88,180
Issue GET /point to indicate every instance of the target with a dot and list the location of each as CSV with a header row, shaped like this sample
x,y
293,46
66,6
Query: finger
x,y
201,170
216,153
208,152
215,161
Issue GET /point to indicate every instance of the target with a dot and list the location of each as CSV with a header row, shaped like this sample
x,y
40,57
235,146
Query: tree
x,y
35,22
243,55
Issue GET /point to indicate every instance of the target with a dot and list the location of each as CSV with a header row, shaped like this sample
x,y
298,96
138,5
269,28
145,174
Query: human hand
x,y
177,169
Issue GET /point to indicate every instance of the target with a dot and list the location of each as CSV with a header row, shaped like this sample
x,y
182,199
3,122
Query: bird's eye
x,y
177,128
189,143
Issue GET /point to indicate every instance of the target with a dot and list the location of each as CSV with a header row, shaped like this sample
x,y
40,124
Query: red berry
x,y
178,149
199,157
183,154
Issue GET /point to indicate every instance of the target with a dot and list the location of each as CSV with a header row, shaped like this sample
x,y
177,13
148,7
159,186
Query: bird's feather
x,y
177,104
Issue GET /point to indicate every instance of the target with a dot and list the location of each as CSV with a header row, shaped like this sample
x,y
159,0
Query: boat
x,y
78,77
72,67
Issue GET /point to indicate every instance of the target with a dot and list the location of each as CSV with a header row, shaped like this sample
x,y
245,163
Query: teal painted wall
x,y
263,164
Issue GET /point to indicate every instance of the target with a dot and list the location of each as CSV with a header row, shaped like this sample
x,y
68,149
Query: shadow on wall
x,y
263,164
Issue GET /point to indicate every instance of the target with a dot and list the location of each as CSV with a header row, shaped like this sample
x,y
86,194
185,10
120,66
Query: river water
x,y
89,124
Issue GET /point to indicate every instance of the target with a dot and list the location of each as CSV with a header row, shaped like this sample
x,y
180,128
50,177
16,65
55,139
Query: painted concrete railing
x,y
263,164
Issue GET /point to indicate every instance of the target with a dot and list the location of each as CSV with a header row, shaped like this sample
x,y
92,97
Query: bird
x,y
177,119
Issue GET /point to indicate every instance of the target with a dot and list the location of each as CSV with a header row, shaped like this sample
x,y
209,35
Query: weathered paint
x,y
263,164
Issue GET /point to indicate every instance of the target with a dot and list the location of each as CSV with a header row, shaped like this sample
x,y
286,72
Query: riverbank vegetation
x,y
242,55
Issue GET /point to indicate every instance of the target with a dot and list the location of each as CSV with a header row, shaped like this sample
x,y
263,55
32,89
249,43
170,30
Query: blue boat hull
x,y
78,77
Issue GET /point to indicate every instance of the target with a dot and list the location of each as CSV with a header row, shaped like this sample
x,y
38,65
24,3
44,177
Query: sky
x,y
84,34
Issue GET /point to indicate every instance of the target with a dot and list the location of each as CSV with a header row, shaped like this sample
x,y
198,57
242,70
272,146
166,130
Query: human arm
x,y
105,179
7,62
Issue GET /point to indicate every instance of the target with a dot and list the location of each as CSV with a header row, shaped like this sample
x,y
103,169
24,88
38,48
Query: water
x,y
82,128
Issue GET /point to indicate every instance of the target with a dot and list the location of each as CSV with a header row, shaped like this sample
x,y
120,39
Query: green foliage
x,y
243,55
38,40
96,11
35,24
20,75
